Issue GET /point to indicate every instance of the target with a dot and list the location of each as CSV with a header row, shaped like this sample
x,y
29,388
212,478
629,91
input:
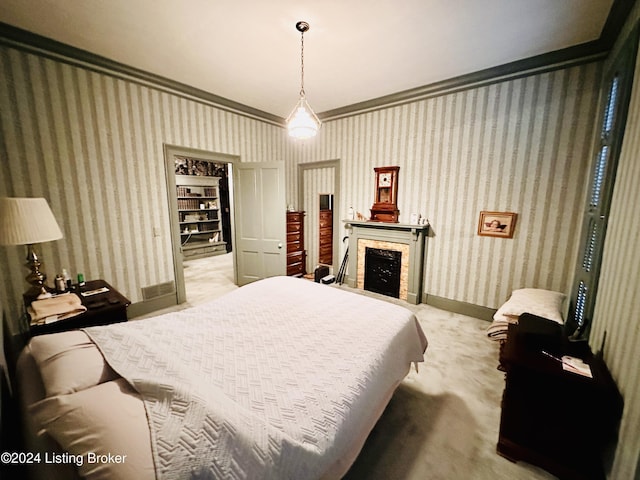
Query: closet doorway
x,y
319,194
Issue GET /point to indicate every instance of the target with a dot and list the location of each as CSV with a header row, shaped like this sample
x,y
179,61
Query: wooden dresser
x,y
325,245
296,255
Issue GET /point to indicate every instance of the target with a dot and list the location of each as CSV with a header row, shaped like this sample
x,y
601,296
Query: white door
x,y
259,203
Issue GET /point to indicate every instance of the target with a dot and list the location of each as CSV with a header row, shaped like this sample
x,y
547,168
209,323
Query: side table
x,y
102,309
552,418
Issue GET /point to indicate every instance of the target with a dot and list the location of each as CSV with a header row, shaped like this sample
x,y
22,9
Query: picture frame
x,y
497,224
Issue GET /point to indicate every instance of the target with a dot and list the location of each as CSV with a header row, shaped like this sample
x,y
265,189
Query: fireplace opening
x,y
382,271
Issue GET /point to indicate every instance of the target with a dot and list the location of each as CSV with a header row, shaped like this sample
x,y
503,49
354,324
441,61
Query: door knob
x,y
279,244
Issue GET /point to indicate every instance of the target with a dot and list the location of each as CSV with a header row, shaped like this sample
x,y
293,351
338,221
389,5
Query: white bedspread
x,y
272,381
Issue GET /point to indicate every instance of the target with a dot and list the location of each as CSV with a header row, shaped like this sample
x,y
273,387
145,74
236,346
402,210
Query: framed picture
x,y
497,224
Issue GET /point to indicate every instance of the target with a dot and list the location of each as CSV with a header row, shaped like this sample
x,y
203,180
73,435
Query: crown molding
x,y
572,56
564,58
576,55
30,42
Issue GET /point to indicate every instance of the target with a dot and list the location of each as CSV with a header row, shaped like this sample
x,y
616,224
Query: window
x,y
617,84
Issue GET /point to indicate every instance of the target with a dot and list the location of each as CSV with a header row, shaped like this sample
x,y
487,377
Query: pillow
x,y
108,419
543,303
69,362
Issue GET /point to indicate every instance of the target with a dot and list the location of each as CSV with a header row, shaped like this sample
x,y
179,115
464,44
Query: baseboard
x,y
149,306
463,308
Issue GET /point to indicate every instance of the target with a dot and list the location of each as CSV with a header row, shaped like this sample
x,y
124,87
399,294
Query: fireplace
x,y
382,271
406,241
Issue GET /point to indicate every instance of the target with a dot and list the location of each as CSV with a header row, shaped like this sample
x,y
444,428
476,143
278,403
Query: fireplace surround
x,y
409,240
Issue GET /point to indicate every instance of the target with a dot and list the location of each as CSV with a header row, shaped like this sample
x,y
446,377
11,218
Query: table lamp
x,y
27,221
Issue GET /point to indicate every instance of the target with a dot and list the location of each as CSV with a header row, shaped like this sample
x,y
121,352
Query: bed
x,y
283,379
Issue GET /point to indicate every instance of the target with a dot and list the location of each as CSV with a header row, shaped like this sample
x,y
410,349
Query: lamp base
x,y
36,278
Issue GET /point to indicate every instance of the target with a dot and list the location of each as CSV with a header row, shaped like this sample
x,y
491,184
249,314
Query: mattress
x,y
282,378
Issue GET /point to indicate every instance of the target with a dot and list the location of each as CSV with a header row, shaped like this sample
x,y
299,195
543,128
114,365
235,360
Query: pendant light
x,y
302,122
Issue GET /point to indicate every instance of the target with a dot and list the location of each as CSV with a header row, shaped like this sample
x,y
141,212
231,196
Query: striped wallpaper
x,y
522,145
618,300
92,145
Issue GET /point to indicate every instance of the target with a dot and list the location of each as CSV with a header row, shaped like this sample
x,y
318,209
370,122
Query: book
x,y
576,365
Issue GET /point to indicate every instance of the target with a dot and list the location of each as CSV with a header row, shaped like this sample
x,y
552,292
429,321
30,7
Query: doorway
x,y
256,211
316,179
200,194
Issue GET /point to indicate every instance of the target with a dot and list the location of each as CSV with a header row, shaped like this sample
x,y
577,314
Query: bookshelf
x,y
199,216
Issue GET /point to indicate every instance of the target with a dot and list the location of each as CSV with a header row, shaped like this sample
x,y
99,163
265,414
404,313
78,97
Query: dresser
x,y
296,255
552,418
325,244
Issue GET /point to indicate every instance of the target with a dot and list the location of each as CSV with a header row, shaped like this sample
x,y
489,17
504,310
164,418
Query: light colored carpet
x,y
442,422
208,278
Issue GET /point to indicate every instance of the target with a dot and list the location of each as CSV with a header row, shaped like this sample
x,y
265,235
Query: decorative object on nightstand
x,y
97,303
27,221
385,208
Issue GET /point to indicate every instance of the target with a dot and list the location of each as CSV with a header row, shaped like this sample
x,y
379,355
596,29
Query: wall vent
x,y
159,290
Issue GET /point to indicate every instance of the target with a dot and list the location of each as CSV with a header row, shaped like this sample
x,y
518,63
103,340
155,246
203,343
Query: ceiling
x,y
248,51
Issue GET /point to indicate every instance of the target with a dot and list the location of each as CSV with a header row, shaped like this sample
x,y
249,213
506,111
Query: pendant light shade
x,y
302,122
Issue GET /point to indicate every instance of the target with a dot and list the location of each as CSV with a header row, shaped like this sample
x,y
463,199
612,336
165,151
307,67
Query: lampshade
x,y
302,122
25,221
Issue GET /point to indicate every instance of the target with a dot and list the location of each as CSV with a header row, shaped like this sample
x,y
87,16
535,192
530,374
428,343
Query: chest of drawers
x,y
296,254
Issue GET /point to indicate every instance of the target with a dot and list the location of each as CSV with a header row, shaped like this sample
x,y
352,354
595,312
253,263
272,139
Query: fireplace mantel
x,y
405,236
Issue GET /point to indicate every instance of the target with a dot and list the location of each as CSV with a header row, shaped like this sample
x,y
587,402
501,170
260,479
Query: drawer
x,y
326,255
326,235
295,269
294,247
295,257
294,227
294,237
326,222
326,259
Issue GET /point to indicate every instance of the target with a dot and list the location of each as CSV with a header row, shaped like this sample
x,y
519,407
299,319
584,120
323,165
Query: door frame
x,y
302,168
174,226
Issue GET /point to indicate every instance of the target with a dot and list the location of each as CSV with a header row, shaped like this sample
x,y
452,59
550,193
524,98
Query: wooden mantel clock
x,y
385,207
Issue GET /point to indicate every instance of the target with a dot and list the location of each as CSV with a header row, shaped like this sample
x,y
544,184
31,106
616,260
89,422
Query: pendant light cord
x,y
302,27
302,64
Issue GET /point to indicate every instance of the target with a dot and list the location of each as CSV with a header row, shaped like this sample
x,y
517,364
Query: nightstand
x,y
102,309
558,420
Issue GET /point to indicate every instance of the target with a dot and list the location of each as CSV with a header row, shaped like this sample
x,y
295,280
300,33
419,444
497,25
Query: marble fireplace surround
x,y
410,240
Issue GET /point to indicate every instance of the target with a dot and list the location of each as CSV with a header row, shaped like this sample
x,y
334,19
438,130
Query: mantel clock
x,y
385,207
